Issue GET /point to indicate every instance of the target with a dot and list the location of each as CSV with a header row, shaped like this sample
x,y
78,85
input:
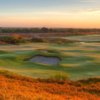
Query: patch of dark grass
x,y
3,52
90,80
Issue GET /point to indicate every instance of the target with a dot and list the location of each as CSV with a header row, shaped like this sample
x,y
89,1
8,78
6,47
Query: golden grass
x,y
70,65
71,54
21,88
29,46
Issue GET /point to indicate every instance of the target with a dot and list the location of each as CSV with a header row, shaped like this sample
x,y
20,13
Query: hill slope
x,y
15,87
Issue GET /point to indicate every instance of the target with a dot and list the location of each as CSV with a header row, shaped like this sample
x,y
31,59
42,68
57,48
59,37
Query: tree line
x,y
46,30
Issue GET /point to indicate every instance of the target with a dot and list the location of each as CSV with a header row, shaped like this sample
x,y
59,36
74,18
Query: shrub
x,y
60,77
14,39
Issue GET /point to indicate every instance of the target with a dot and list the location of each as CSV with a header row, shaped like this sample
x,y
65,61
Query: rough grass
x,y
16,87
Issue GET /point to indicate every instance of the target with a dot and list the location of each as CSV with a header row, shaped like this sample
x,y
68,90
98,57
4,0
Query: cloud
x,y
89,1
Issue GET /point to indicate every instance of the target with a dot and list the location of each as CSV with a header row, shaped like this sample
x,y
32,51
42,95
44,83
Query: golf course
x,y
75,61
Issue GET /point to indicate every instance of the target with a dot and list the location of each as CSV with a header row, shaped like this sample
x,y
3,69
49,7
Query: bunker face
x,y
45,60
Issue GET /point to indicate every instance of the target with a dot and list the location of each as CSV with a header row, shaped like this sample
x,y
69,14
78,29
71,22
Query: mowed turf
x,y
78,60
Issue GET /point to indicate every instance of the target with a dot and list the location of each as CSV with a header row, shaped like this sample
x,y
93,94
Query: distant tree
x,y
44,29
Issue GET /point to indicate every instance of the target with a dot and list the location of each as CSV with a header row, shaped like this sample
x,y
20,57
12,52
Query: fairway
x,y
86,38
78,60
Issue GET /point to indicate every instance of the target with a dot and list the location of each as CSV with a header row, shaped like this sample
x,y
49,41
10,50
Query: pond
x,y
50,60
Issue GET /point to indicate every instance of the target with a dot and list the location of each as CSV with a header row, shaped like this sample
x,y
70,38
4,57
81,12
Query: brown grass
x,y
22,88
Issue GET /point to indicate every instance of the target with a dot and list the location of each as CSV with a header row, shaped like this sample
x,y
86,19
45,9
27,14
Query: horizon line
x,y
50,27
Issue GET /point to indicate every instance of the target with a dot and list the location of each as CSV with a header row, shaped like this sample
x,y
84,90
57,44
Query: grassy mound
x,y
16,87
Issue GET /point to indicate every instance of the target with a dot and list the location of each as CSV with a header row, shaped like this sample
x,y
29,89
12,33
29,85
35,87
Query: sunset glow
x,y
50,13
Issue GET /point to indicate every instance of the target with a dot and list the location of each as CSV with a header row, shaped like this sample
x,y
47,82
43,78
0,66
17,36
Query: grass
x,y
78,60
86,38
16,87
66,81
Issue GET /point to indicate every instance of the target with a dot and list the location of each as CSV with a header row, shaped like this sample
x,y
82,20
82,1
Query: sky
x,y
50,13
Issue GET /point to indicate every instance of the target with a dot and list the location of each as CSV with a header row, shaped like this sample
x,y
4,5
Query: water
x,y
45,60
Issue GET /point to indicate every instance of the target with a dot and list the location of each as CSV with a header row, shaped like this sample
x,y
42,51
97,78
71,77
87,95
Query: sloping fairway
x,y
77,60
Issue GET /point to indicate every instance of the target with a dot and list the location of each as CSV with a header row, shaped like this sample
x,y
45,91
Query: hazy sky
x,y
50,13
